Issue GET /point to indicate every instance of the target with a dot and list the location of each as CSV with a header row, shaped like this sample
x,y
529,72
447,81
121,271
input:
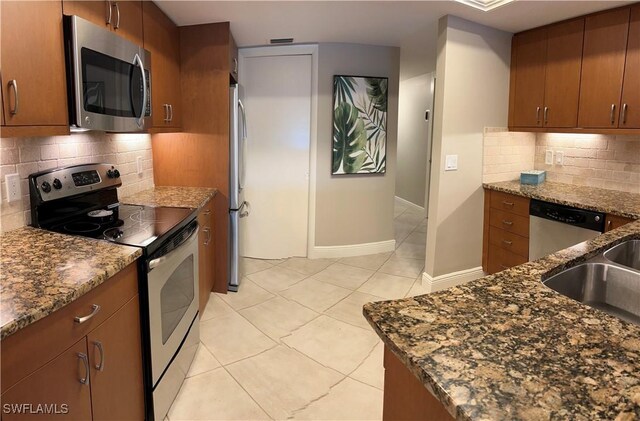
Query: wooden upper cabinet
x,y
562,76
124,17
605,45
34,89
528,73
162,39
630,107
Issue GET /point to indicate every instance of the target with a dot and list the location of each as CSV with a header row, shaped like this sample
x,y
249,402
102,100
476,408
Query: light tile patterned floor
x,y
293,344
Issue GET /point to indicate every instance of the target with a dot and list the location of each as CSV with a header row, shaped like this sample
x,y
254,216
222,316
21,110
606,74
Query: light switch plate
x,y
451,163
560,158
548,157
13,187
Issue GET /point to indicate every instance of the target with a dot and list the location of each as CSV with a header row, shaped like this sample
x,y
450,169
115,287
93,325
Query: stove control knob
x,y
57,184
45,186
116,174
110,173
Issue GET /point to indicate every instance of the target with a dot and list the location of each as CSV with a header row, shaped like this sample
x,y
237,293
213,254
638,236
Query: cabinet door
x,y
115,356
100,13
530,57
57,383
562,79
128,20
162,39
614,221
605,45
32,61
630,111
205,272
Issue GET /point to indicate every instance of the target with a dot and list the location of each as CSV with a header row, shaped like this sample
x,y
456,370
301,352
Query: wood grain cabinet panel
x,y
510,222
603,61
530,52
162,39
98,12
509,241
501,259
562,75
630,107
205,254
34,89
124,17
613,221
58,383
509,203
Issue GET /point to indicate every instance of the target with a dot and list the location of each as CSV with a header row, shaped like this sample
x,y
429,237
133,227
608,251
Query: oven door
x,y
110,81
172,282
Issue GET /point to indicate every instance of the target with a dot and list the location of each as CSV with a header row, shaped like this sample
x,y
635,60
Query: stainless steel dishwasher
x,y
555,227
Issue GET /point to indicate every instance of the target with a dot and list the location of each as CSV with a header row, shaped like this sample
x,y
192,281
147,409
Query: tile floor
x,y
293,343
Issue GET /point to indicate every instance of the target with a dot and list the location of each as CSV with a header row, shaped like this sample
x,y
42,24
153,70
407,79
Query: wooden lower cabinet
x,y
94,367
613,221
405,397
206,254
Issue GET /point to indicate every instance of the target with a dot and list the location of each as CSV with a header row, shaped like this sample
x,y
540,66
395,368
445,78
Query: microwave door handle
x,y
137,60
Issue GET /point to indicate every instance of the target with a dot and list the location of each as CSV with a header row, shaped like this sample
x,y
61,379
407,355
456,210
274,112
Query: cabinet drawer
x,y
501,259
510,203
509,241
510,222
30,348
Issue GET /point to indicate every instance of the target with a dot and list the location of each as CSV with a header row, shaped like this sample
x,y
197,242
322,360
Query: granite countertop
x,y
584,197
507,347
42,271
172,197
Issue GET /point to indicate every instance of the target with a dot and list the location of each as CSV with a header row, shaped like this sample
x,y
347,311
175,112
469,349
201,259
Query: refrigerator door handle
x,y
245,213
242,148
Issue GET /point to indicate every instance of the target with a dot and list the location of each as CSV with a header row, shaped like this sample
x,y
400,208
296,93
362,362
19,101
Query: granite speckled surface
x,y
42,271
591,198
172,197
507,347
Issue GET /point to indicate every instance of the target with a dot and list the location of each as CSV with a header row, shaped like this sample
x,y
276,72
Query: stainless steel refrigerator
x,y
238,206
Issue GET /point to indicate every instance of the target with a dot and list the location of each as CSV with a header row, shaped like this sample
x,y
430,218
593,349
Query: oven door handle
x,y
156,262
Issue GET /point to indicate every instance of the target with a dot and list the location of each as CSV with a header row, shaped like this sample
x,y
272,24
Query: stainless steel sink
x,y
604,286
625,254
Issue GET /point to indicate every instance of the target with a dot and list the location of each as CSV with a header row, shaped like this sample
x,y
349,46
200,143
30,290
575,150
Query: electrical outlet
x,y
13,187
451,163
548,157
560,158
139,164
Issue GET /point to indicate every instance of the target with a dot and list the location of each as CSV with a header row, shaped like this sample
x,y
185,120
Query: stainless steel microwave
x,y
108,79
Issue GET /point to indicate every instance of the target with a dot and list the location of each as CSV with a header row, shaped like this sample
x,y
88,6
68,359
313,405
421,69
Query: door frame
x,y
297,50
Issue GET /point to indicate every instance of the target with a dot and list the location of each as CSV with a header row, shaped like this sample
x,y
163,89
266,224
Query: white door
x,y
277,98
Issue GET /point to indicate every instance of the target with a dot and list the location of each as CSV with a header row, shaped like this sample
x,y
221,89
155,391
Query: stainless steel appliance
x,y
555,227
238,207
83,200
108,79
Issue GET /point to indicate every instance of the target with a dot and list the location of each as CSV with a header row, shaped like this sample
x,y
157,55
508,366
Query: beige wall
x,y
29,155
354,209
472,89
416,96
506,154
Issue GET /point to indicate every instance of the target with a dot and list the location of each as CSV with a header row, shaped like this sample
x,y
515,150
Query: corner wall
x,y
354,209
472,91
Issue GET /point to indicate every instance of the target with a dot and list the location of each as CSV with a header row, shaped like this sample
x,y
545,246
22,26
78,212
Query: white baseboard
x,y
449,280
410,205
319,252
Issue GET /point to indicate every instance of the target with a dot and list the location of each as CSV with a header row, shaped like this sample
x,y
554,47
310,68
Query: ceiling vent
x,y
281,40
485,5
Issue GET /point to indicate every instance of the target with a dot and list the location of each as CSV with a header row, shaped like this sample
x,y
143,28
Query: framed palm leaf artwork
x,y
359,125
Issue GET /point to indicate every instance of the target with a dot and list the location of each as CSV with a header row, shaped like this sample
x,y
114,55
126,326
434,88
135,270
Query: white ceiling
x,y
411,25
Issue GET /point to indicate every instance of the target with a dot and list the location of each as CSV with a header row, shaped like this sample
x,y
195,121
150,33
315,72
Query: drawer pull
x,y
208,232
96,309
207,212
504,202
85,363
100,365
507,242
509,223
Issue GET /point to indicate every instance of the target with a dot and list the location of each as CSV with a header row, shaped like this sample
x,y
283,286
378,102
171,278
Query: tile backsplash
x,y
28,155
606,161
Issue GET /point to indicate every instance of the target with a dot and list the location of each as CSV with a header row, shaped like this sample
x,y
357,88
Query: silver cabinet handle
x,y
109,6
96,309
207,212
546,115
507,242
145,94
117,25
14,84
613,115
208,232
85,362
509,223
170,112
538,115
98,346
623,117
166,112
504,202
235,66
